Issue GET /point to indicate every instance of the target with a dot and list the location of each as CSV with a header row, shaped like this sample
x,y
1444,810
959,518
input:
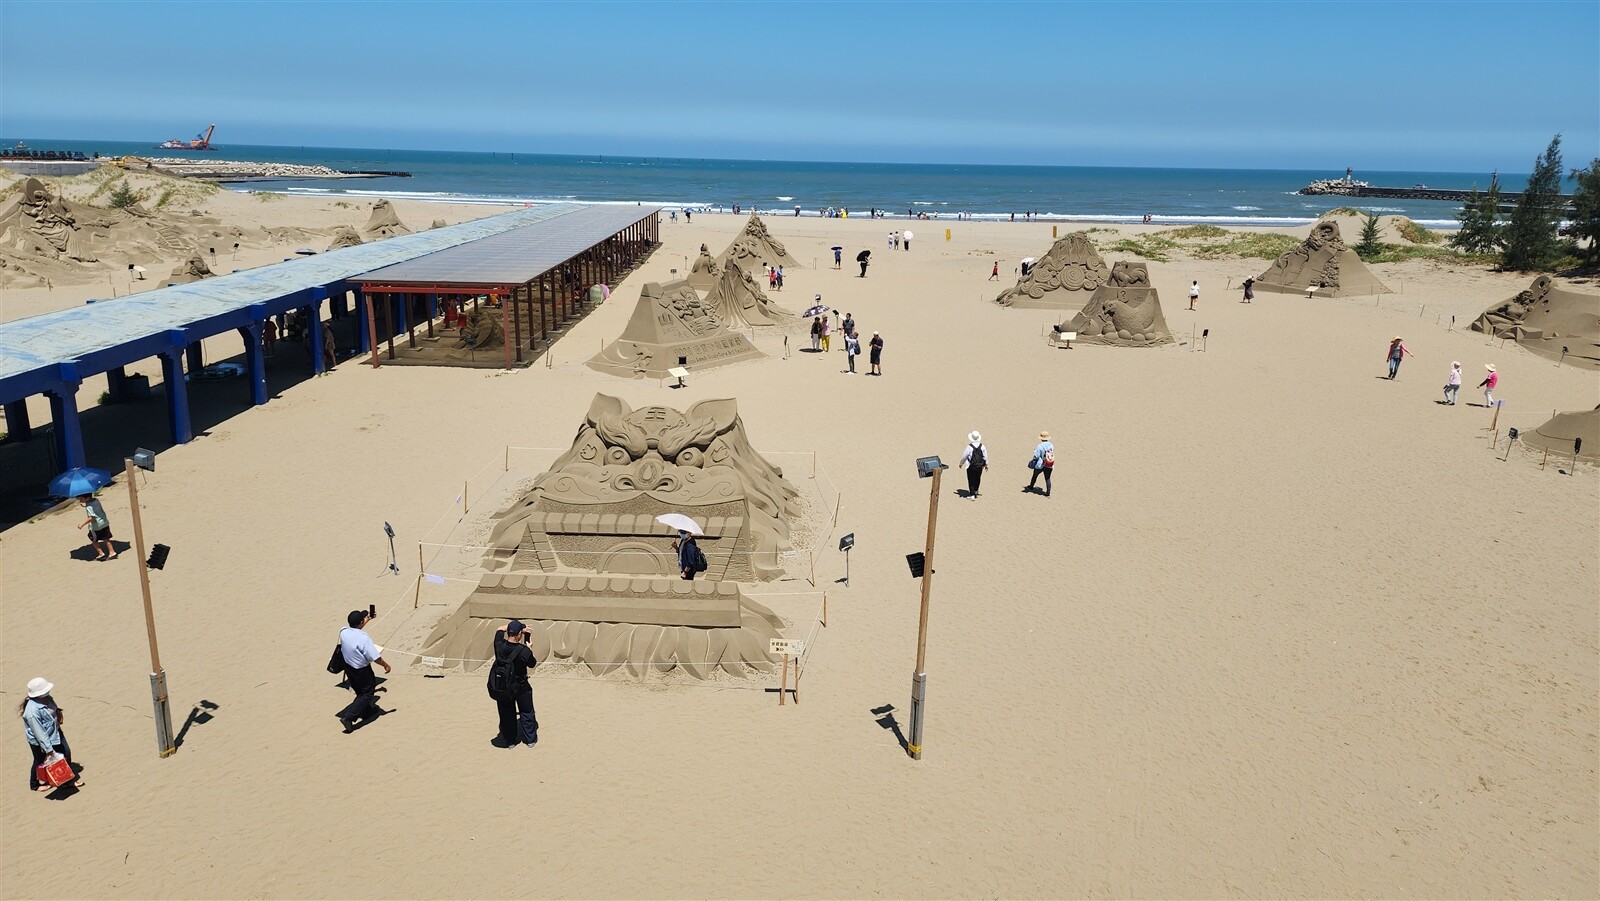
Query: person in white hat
x,y
1488,383
974,459
1043,462
42,719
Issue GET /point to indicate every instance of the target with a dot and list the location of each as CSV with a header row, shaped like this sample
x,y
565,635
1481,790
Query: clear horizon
x,y
1142,85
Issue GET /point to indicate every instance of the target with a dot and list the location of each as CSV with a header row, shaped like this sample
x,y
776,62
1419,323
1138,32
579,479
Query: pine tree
x,y
1586,219
1480,222
1531,242
1370,246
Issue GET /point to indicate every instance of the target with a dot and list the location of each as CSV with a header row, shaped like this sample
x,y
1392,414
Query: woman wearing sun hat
x,y
42,720
974,459
1488,383
1397,352
1043,462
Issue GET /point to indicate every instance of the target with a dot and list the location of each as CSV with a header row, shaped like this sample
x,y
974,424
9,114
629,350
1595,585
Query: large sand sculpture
x,y
1558,434
669,322
583,561
193,270
1062,279
706,269
1545,319
1124,312
1321,261
755,247
384,222
738,301
345,236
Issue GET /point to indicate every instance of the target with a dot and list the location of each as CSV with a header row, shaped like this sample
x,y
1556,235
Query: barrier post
x,y
824,609
463,498
416,598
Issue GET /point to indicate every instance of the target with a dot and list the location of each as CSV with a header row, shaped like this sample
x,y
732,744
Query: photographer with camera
x,y
510,688
360,654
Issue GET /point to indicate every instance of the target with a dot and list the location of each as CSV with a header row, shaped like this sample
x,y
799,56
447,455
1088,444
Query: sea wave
x,y
1247,209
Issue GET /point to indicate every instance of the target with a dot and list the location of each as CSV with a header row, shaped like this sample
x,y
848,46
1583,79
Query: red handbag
x,y
56,771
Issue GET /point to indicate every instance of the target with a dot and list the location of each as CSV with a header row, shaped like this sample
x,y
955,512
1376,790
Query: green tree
x,y
1586,219
1531,242
1480,222
123,197
1370,246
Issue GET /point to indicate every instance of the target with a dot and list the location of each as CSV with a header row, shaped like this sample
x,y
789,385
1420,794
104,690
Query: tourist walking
x,y
852,346
1488,384
1397,353
269,336
1249,290
1043,462
691,560
1194,294
849,324
98,525
816,332
838,257
862,259
905,240
974,459
875,358
778,278
359,653
994,274
42,720
827,332
890,242
510,688
1452,383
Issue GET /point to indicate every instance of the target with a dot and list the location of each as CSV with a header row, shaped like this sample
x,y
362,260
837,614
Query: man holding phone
x,y
510,688
359,655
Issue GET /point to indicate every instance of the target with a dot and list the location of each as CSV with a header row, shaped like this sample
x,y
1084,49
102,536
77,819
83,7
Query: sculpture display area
x,y
1558,433
1124,312
706,270
670,322
581,559
1545,318
754,248
1061,279
738,301
384,222
1321,261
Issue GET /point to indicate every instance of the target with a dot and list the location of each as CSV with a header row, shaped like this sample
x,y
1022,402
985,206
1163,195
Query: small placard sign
x,y
786,647
433,661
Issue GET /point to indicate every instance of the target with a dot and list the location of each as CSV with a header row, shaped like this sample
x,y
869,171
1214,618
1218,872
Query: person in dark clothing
x,y
518,721
688,556
359,656
42,721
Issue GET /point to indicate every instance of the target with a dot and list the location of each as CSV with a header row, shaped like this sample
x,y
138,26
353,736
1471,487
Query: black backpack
x,y
500,675
697,558
978,459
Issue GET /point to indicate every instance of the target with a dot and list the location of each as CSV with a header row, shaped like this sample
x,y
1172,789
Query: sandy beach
x,y
1286,628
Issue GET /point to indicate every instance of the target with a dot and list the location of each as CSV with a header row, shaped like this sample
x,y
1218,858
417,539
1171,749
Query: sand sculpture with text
x,y
672,321
1546,318
754,247
738,301
706,269
582,560
1061,279
1321,261
1558,433
384,222
1124,312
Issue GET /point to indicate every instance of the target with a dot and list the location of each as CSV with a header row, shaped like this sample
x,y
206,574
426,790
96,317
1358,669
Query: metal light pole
x,y
926,467
158,676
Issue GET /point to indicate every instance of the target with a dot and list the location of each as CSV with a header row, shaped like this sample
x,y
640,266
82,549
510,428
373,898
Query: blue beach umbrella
x,y
79,480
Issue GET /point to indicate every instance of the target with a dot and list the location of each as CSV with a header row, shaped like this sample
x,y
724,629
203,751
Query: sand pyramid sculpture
x,y
671,322
706,270
581,559
384,222
739,302
1545,318
1557,435
1321,261
754,248
1124,312
345,236
1064,278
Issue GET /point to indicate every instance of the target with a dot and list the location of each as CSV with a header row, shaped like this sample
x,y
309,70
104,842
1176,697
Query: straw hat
x,y
1455,364
39,686
1489,366
1044,436
1398,338
974,438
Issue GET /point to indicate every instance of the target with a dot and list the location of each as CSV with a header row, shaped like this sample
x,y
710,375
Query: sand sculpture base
x,y
672,322
1124,313
1061,279
1558,433
610,622
1321,261
1545,319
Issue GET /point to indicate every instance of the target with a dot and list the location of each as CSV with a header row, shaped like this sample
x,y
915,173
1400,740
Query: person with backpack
x,y
359,654
975,459
1043,462
691,560
510,688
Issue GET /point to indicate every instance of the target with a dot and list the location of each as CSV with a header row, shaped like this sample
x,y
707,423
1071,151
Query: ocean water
x,y
1233,197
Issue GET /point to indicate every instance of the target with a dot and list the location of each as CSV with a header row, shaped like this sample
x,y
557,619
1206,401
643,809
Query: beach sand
x,y
1285,629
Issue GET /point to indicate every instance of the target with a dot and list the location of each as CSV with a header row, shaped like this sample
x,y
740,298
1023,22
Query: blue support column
x,y
117,384
196,360
68,430
255,362
18,428
318,354
361,324
178,422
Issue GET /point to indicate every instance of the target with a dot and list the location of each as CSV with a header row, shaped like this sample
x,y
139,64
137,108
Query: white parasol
x,y
680,522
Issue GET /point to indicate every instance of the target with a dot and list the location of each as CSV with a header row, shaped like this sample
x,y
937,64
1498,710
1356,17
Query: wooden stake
x,y
416,599
463,498
1545,460
813,578
420,566
783,687
1495,423
824,609
508,459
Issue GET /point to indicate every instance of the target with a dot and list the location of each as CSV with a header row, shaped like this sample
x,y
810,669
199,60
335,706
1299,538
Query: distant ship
x,y
200,142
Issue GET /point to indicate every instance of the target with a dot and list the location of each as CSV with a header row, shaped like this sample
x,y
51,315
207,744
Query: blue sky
x,y
1387,85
